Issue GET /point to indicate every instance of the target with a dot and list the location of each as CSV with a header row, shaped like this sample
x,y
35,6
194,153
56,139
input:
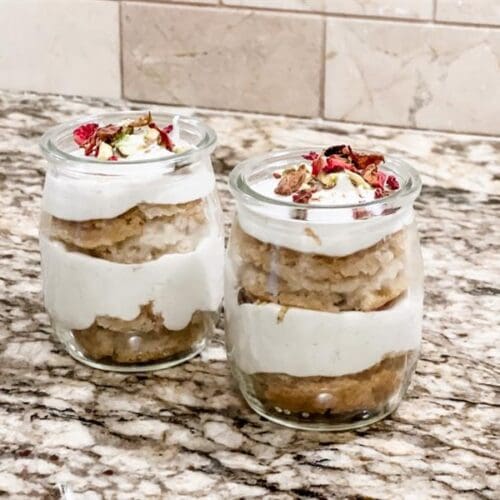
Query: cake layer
x,y
142,339
358,392
78,287
365,280
141,234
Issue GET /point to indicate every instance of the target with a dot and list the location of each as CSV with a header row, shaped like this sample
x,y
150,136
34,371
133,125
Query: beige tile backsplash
x,y
432,64
469,11
228,59
420,76
60,46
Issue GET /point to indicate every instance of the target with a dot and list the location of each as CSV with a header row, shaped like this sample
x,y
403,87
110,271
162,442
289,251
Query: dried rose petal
x,y
334,164
92,145
311,156
381,177
379,193
363,161
84,133
164,139
317,165
113,158
341,149
392,182
303,196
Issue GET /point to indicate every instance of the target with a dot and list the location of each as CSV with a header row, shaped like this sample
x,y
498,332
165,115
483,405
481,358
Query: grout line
x,y
120,28
317,120
322,95
356,17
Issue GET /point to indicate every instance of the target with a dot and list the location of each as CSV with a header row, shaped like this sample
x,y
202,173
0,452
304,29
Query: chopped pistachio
x,y
357,180
328,180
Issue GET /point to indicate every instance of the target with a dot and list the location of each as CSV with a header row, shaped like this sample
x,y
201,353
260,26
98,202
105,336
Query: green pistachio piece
x,y
328,180
357,180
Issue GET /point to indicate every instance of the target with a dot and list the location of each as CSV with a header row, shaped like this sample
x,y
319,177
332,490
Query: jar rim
x,y
93,165
410,182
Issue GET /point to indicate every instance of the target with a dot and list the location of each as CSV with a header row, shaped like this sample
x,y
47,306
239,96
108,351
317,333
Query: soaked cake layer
x,y
143,233
364,281
357,392
143,339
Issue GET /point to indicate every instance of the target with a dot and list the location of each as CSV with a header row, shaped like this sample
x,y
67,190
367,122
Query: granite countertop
x,y
185,432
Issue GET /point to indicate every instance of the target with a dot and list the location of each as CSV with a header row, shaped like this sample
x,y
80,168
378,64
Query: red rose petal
x,y
302,196
164,138
317,165
392,182
381,177
311,156
335,165
84,133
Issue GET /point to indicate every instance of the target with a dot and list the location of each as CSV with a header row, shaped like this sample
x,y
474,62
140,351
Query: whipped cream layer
x,y
337,235
78,197
77,287
315,343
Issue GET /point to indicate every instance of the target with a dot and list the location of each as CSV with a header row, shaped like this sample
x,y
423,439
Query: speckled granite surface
x,y
185,433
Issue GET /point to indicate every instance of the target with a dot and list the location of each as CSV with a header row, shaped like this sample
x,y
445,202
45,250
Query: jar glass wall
x,y
132,251
323,304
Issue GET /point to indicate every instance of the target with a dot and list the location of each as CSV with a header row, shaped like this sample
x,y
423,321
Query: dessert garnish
x,y
335,166
115,141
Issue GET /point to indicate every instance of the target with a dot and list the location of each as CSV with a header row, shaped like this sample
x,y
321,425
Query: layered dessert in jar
x,y
323,288
131,239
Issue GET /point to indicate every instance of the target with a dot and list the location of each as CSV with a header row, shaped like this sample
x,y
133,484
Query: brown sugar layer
x,y
143,233
363,281
143,339
362,391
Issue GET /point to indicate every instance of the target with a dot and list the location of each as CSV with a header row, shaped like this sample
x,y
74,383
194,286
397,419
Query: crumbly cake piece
x,y
143,339
365,390
366,280
97,233
143,233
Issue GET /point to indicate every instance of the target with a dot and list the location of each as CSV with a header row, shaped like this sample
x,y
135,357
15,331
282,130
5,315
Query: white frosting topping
x,y
343,193
336,235
314,343
77,287
81,197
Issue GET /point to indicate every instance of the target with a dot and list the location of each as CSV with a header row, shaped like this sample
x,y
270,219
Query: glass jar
x,y
132,251
323,304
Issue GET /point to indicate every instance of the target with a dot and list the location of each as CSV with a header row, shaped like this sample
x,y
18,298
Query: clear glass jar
x,y
132,251
323,304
